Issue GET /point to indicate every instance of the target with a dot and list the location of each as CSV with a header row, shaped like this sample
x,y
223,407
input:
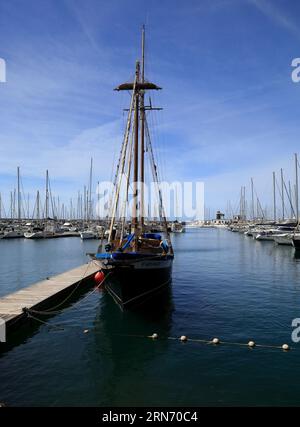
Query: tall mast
x,y
136,153
19,199
138,87
84,203
296,188
142,100
78,205
176,196
98,202
11,205
282,192
290,200
241,204
244,204
71,209
14,202
87,204
252,199
274,196
90,192
47,196
38,205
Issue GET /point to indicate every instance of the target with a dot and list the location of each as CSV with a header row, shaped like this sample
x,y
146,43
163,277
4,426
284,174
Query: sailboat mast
x,y
38,205
282,192
19,198
176,204
296,188
290,200
142,108
241,203
90,192
136,153
47,196
274,196
11,205
84,203
252,199
138,87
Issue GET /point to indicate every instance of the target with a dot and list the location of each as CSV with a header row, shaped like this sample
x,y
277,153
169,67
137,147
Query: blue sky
x,y
231,110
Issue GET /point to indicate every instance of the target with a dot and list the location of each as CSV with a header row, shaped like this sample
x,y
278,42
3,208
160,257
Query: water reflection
x,y
120,346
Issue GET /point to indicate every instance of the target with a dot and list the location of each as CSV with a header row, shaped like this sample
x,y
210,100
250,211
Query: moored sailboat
x,y
137,264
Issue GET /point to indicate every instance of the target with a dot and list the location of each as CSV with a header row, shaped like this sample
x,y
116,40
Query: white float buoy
x,y
183,338
86,331
154,336
285,347
251,344
215,341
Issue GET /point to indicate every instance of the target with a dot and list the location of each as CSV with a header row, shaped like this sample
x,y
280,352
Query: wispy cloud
x,y
85,27
229,106
269,9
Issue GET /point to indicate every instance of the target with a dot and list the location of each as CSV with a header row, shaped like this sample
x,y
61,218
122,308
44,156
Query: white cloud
x,y
269,9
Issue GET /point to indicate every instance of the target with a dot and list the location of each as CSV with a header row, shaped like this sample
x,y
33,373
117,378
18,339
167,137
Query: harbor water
x,y
225,285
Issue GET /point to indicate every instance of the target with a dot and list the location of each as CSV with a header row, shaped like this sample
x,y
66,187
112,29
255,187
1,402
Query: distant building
x,y
220,220
219,215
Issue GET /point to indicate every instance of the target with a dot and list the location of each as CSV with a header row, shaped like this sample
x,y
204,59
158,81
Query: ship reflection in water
x,y
123,350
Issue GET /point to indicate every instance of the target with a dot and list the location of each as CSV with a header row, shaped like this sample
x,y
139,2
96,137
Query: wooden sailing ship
x,y
139,262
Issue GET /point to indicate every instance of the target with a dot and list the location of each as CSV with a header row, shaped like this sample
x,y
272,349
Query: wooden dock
x,y
42,294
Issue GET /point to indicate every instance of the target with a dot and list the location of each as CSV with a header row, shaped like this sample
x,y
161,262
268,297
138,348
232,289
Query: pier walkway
x,y
43,293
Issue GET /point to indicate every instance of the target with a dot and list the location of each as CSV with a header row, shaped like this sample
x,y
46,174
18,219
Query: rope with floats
x,y
31,313
214,341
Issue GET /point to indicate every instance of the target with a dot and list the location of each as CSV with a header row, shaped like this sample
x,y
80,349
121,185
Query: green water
x,y
224,284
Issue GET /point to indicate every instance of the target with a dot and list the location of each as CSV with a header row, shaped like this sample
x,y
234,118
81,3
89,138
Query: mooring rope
x,y
45,323
55,326
53,311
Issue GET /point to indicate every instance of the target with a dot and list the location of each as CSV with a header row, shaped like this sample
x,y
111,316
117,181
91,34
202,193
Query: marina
x,y
149,208
252,295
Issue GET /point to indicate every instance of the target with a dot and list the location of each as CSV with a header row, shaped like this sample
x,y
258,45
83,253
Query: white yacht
x,y
34,233
267,235
12,234
284,239
88,234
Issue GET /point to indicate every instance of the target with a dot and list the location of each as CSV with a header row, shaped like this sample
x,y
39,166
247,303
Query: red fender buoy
x,y
99,277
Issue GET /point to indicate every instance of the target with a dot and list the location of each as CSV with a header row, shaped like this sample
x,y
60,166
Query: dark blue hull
x,y
131,285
